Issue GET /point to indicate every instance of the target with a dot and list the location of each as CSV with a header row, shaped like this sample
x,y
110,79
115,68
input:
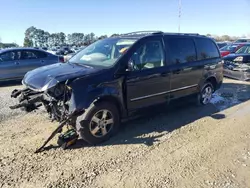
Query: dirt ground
x,y
182,146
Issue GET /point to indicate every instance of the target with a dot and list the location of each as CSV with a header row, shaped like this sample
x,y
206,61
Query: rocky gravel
x,y
6,101
180,146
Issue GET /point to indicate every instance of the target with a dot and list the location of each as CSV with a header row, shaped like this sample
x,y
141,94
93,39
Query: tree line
x,y
8,45
227,37
35,37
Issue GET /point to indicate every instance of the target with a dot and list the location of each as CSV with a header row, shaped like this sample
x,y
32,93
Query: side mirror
x,y
130,66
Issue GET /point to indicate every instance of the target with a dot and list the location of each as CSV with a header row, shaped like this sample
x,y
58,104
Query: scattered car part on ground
x,y
109,80
67,139
53,134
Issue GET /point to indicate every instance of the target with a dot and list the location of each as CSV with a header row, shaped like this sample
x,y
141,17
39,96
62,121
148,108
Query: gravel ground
x,y
207,147
6,101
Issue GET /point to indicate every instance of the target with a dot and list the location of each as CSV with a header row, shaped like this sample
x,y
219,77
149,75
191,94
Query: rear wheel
x,y
98,123
205,94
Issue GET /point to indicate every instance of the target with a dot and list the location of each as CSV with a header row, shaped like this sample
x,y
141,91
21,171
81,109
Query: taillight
x,y
61,59
224,53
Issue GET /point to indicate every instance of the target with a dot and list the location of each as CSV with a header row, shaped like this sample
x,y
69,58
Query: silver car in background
x,y
16,62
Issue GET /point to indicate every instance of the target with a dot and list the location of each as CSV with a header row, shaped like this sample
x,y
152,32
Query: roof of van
x,y
140,34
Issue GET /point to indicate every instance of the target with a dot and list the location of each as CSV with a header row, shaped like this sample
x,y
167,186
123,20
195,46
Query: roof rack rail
x,y
183,33
143,33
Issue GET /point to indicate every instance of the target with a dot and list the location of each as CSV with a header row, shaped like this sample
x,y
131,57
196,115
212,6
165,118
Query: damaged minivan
x,y
112,78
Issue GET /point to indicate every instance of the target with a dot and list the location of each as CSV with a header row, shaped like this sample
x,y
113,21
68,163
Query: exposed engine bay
x,y
56,102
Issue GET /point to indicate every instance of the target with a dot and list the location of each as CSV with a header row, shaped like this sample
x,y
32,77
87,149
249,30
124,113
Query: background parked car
x,y
64,51
68,56
221,44
44,48
75,51
16,62
231,48
242,40
237,65
52,51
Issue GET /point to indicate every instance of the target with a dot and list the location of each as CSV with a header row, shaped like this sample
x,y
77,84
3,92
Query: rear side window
x,y
7,56
40,54
28,55
206,49
181,50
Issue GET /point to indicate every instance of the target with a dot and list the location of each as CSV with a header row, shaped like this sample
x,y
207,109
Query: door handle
x,y
164,74
210,67
177,71
16,63
42,61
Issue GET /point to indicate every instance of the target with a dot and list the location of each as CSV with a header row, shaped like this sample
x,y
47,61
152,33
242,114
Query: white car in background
x,y
76,50
52,51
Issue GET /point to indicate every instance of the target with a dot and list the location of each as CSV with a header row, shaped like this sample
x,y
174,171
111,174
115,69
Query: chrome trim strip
x,y
162,93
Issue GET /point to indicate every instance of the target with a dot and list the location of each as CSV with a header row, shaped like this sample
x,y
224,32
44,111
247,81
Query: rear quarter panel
x,y
51,59
213,68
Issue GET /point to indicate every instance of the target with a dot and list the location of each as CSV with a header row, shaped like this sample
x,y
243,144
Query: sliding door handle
x,y
178,71
165,74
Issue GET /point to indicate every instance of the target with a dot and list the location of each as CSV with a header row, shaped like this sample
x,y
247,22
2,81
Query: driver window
x,y
149,55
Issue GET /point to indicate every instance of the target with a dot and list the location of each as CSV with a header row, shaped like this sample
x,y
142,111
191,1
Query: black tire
x,y
85,123
200,99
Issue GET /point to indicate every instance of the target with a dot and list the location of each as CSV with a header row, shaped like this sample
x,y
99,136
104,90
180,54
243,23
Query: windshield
x,y
243,50
230,48
103,52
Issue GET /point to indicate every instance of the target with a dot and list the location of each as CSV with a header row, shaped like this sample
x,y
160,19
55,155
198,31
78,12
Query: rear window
x,y
181,50
7,56
28,55
206,49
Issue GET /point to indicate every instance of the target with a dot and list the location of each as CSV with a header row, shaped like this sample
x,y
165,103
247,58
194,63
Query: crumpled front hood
x,y
46,77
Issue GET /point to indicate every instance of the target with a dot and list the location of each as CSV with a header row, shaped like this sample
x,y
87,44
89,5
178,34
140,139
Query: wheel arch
x,y
111,99
213,81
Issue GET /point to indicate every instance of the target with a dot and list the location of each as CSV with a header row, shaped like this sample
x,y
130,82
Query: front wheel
x,y
205,95
98,123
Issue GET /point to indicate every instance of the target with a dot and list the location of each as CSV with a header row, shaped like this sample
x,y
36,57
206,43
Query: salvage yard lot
x,y
181,146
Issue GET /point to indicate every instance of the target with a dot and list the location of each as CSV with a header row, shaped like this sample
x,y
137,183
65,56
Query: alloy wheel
x,y
207,94
101,123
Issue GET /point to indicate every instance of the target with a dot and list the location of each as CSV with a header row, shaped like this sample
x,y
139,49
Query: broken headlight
x,y
60,92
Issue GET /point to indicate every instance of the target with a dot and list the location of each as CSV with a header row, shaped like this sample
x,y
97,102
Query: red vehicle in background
x,y
231,48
